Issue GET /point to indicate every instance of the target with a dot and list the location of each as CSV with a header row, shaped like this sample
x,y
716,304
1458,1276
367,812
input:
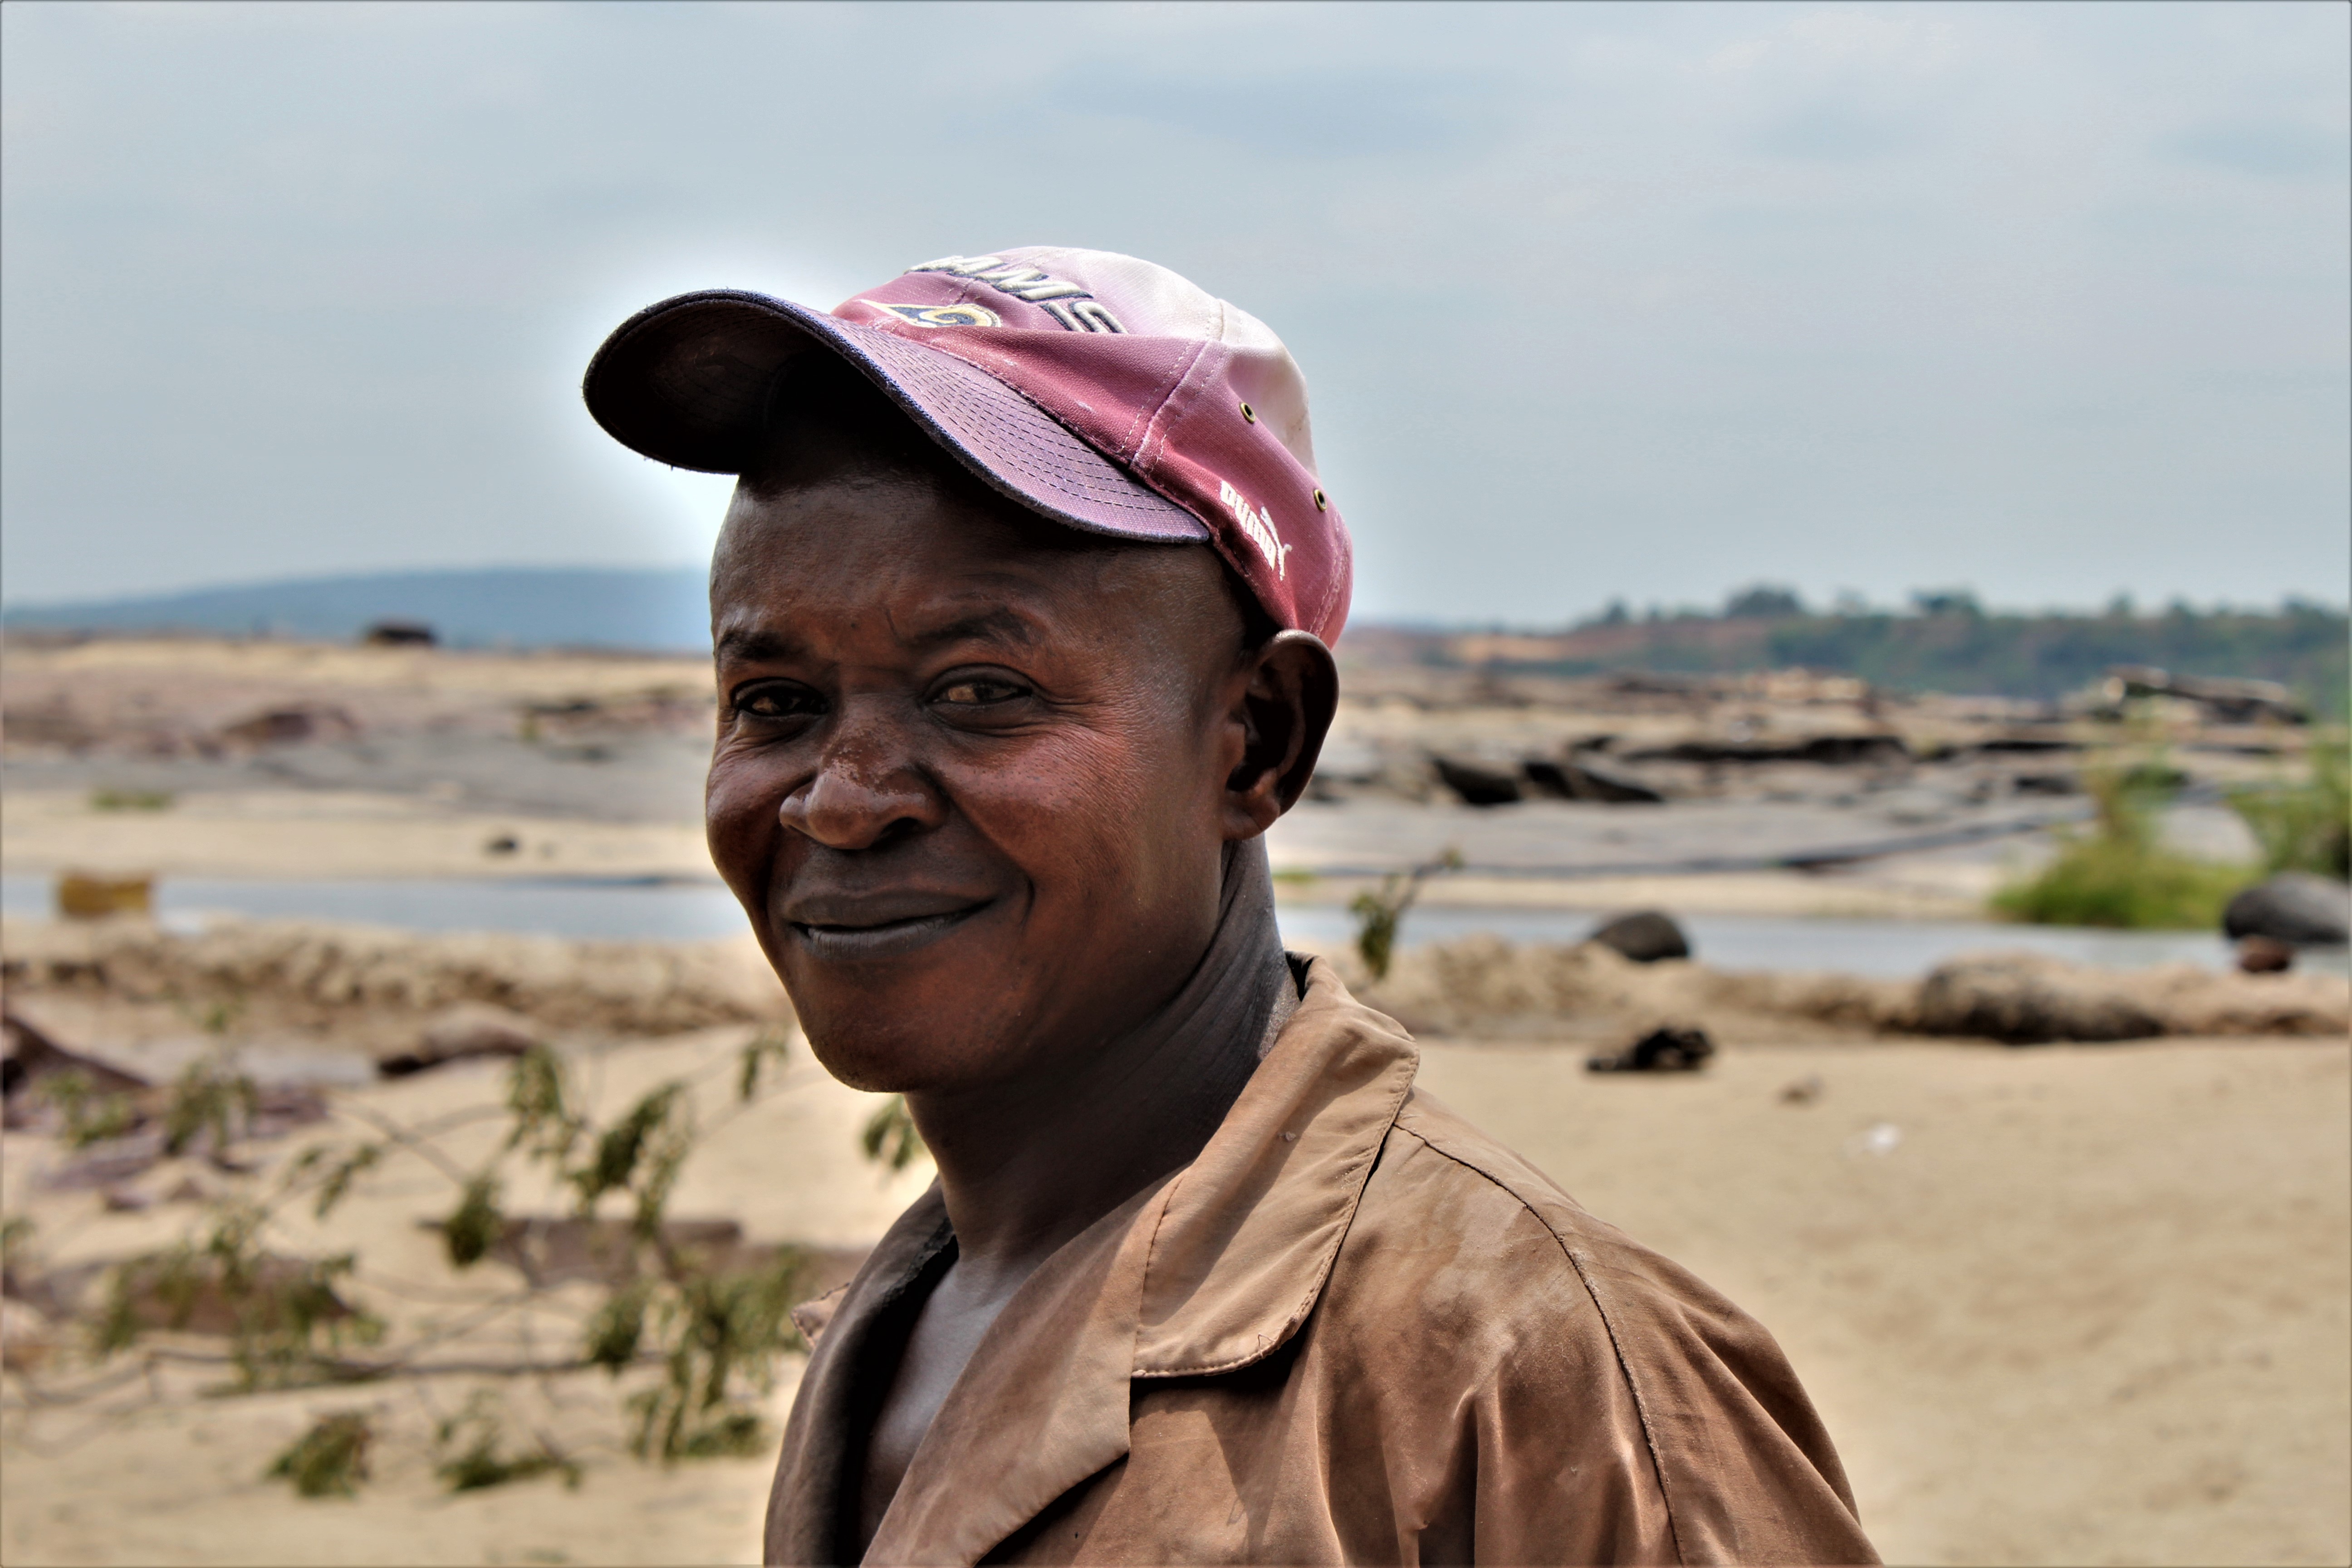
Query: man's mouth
x,y
884,926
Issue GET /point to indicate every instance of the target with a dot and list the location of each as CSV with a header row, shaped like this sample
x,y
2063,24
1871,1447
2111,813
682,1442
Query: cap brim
x,y
687,383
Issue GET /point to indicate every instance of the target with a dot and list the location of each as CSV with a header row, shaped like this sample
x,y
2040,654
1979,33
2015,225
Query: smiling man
x,y
1023,615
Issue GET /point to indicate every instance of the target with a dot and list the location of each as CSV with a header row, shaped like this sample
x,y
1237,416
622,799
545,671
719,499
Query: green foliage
x,y
475,1225
1379,913
891,1139
721,1330
340,1177
617,1328
715,1332
467,1446
89,1116
330,1459
287,1325
544,1122
768,1044
129,800
2119,874
642,1151
2306,826
210,1097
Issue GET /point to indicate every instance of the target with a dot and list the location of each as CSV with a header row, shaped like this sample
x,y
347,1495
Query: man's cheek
x,y
738,818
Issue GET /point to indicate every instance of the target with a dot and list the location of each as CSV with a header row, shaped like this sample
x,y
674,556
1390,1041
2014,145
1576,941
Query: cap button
x,y
1249,414
1321,504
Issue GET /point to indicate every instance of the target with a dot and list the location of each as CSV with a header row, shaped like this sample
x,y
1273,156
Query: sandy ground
x,y
2080,1305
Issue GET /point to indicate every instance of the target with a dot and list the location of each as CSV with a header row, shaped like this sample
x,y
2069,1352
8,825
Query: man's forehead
x,y
955,615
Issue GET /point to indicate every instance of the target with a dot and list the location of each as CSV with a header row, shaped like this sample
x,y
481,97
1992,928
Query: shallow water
x,y
680,912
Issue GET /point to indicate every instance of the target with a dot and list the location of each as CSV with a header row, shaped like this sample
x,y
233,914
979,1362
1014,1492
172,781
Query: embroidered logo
x,y
945,315
1073,307
1259,526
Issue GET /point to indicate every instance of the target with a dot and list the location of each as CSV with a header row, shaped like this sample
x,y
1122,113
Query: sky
x,y
1593,301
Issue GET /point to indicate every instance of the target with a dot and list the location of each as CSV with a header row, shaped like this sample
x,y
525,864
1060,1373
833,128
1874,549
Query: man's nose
x,y
865,791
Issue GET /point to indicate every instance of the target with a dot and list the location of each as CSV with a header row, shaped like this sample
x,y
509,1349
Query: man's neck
x,y
1025,1167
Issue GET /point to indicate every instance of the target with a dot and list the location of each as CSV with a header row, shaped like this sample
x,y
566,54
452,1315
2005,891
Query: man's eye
x,y
978,691
773,699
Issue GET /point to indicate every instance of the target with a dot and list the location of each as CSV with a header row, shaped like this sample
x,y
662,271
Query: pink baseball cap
x,y
1095,389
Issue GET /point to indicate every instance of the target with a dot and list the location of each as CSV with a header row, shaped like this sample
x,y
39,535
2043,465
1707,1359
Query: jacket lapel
x,y
804,1504
1042,1405
1252,1225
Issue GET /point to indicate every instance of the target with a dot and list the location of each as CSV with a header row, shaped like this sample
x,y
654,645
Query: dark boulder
x,y
2293,906
1477,783
1645,936
1582,781
2027,998
1660,1050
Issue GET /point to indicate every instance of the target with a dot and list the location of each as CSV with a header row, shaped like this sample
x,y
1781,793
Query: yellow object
x,y
83,896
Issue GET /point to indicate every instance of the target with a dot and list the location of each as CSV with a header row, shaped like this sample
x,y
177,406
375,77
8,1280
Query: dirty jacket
x,y
1354,1329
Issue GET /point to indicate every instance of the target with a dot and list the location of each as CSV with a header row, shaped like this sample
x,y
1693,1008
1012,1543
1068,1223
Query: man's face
x,y
968,775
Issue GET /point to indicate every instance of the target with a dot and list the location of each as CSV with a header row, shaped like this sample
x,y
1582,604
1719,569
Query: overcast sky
x,y
1650,302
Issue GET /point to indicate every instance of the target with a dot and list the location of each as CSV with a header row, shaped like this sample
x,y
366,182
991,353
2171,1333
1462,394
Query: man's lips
x,y
878,924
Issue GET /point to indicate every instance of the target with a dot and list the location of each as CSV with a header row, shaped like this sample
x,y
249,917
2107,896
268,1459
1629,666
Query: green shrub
x,y
331,1459
1379,914
2306,826
2117,874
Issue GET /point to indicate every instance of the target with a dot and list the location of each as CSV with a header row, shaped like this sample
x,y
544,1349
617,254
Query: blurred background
x,y
1854,522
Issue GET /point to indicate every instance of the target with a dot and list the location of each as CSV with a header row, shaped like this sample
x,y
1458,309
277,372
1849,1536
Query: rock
x,y
1582,781
1476,782
290,726
2025,998
2266,955
1645,936
1660,1050
2293,906
469,1029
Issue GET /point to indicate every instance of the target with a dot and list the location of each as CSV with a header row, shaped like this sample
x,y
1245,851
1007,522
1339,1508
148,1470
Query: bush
x,y
2117,874
331,1459
2305,827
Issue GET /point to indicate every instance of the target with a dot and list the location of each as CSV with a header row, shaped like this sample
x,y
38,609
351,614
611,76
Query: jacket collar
x,y
1203,1272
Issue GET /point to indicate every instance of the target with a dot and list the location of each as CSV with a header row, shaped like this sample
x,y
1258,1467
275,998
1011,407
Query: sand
x,y
2081,1305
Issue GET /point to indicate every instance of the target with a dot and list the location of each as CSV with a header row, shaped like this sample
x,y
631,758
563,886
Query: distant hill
x,y
519,607
1945,642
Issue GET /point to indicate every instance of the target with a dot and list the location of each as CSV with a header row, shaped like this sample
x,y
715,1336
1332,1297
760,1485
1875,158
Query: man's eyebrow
x,y
1001,625
753,646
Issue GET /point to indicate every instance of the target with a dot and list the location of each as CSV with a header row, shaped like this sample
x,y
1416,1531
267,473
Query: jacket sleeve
x,y
1622,1411
1744,1466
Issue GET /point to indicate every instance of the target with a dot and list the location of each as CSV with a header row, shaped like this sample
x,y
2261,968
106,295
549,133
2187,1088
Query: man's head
x,y
992,708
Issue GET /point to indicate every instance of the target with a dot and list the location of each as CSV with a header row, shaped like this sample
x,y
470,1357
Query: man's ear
x,y
1285,711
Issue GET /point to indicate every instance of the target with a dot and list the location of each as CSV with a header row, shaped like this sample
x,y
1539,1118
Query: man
x,y
1023,613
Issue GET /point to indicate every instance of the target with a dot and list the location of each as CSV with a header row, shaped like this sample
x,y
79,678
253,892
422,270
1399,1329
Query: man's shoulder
x,y
1437,1168
1503,1236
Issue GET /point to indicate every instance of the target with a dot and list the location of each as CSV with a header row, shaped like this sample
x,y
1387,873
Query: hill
x,y
653,608
1946,642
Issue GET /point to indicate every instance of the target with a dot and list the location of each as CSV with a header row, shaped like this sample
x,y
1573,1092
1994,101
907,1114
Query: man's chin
x,y
874,1056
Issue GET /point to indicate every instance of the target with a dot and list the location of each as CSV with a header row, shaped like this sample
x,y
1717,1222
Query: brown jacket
x,y
1353,1330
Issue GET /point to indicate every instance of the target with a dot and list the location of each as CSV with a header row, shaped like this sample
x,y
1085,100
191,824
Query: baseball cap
x,y
1101,390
